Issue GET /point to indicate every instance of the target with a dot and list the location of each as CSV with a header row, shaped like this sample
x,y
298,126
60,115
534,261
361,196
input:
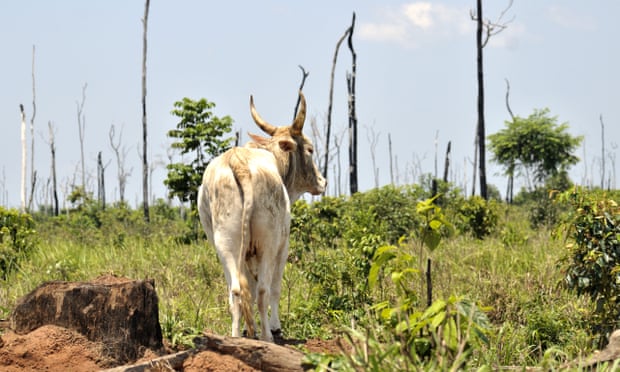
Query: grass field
x,y
513,274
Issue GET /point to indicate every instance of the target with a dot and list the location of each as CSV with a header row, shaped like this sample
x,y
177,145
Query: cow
x,y
244,205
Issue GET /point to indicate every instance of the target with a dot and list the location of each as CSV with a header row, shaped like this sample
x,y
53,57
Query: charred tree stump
x,y
120,312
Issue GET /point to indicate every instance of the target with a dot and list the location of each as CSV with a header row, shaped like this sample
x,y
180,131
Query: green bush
x,y
478,217
17,239
593,259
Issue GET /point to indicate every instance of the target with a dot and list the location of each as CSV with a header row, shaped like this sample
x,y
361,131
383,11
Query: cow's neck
x,y
287,168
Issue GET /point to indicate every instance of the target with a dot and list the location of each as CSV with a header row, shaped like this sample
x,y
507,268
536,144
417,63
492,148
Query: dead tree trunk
x,y
481,130
475,170
511,169
301,87
33,173
447,162
81,128
54,184
353,185
100,181
602,153
145,165
121,155
373,139
24,161
391,165
261,355
331,100
484,31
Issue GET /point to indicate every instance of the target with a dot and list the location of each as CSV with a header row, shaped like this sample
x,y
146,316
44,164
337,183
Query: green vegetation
x,y
199,133
536,147
502,286
593,263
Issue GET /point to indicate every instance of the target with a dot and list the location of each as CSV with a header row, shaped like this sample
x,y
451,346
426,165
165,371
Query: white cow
x,y
244,205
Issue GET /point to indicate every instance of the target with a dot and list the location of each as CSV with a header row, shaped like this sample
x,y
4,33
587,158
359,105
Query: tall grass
x,y
188,278
513,272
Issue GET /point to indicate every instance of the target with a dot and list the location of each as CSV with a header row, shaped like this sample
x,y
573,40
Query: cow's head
x,y
293,152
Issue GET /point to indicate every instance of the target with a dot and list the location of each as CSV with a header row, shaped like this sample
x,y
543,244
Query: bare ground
x,y
53,348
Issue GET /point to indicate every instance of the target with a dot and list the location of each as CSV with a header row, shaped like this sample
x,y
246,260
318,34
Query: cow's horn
x,y
298,123
266,127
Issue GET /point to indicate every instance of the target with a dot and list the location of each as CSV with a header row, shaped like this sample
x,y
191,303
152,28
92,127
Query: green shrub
x,y
17,239
593,259
478,217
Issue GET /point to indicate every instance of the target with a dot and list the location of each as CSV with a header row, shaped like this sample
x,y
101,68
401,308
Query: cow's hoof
x,y
277,334
245,334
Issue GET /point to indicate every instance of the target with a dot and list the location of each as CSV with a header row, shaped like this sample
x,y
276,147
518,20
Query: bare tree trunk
x,y
602,153
481,130
436,151
145,166
81,129
391,165
337,167
511,176
121,155
489,28
612,159
54,184
331,100
474,176
508,100
33,173
100,181
447,162
301,87
373,139
353,185
24,159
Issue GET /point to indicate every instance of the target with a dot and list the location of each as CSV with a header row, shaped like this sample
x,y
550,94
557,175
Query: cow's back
x,y
222,199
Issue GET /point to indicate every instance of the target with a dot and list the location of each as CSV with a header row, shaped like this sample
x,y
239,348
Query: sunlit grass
x,y
513,273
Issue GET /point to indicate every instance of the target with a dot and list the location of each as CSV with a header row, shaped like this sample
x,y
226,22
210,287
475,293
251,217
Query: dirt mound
x,y
108,323
50,348
53,348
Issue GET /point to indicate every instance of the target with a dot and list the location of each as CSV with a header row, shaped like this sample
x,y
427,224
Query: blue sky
x,y
416,78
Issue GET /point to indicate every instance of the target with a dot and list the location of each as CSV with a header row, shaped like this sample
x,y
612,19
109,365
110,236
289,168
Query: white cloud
x,y
419,14
383,32
570,19
414,23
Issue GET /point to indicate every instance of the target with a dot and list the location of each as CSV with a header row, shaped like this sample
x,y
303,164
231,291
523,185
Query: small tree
x,y
592,261
536,145
198,132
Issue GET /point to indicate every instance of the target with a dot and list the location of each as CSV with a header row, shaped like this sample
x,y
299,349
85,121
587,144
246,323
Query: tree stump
x,y
119,312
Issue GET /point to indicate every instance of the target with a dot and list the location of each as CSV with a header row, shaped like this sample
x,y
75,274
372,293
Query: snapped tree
x,y
536,146
201,133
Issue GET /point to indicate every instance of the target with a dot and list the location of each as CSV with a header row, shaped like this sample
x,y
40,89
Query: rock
x,y
122,313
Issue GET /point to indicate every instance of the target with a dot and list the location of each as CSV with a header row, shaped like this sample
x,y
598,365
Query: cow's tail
x,y
243,177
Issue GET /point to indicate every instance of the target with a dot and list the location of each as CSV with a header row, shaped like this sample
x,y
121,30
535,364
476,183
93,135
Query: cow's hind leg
x,y
275,290
262,302
263,298
231,273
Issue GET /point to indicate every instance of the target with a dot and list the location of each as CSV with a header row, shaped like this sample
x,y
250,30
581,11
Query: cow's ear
x,y
287,144
259,139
